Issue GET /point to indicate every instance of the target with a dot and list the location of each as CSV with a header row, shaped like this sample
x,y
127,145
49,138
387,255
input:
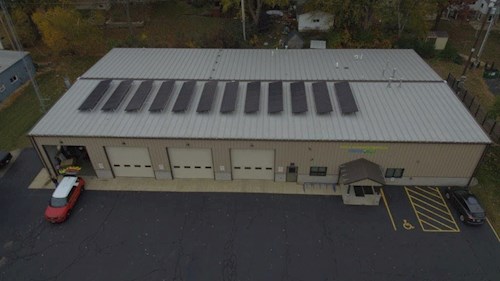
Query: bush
x,y
424,48
450,54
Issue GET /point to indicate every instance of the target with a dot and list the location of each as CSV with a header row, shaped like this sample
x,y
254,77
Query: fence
x,y
490,125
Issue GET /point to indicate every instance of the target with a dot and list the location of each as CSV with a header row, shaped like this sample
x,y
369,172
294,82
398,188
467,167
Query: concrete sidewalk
x,y
42,181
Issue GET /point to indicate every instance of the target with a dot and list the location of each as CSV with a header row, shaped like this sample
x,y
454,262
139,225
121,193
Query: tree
x,y
443,5
253,7
66,31
24,27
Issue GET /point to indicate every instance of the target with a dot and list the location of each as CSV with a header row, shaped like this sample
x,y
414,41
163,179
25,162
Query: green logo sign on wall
x,y
363,149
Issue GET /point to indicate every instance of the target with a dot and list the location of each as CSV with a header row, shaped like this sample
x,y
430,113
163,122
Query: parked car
x,y
64,199
5,158
467,205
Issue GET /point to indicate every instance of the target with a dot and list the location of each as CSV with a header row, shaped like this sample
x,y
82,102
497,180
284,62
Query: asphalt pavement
x,y
114,235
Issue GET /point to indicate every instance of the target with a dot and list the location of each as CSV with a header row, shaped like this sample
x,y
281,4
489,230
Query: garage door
x,y
252,164
191,163
130,162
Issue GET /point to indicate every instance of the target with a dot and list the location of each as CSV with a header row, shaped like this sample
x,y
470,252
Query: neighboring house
x,y
92,4
480,8
317,21
13,72
300,116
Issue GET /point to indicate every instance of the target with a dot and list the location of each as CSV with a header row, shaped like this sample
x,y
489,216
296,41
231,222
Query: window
x,y
394,172
13,79
315,20
317,171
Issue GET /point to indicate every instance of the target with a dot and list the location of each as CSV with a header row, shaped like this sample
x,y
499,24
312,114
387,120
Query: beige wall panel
x,y
418,159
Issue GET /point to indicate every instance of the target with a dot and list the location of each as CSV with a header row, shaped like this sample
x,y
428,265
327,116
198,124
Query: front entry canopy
x,y
361,170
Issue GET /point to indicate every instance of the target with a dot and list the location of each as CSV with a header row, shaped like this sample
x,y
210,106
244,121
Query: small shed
x,y
439,38
13,72
360,181
316,20
294,41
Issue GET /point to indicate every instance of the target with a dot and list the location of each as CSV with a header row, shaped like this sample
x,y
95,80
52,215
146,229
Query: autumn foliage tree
x,y
66,31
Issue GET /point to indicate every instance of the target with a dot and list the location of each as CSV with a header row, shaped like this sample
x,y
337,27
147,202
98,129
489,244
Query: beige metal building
x,y
279,115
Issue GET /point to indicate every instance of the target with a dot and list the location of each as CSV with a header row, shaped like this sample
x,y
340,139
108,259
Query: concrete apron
x,y
42,181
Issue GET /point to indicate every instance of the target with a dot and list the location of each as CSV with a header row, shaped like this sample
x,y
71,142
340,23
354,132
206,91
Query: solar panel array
x,y
140,96
322,98
207,97
345,97
182,102
162,97
229,98
252,100
299,101
275,97
95,96
117,97
275,100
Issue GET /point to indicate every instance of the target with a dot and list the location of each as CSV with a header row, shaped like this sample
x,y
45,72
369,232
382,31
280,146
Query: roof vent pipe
x,y
400,81
393,73
389,84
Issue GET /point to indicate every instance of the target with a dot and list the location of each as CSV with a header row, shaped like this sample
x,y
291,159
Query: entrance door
x,y
291,173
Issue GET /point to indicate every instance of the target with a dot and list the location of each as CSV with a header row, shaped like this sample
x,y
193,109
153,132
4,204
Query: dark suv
x,y
467,205
4,158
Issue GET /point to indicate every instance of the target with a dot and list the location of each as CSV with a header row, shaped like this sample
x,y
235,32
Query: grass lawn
x,y
22,110
462,36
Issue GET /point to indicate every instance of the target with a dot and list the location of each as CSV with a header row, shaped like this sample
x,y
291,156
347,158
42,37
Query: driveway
x,y
208,236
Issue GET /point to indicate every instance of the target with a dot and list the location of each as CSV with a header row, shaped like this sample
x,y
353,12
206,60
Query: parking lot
x,y
208,236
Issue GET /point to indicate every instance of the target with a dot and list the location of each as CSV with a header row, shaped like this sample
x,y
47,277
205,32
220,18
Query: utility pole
x,y
243,19
490,6
19,47
493,11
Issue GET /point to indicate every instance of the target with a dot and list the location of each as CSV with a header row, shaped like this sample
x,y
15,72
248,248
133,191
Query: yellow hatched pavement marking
x,y
442,198
423,218
443,210
430,199
450,219
413,206
435,220
426,191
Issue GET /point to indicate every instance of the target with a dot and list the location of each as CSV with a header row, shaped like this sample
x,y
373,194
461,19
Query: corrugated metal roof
x,y
8,58
262,64
414,112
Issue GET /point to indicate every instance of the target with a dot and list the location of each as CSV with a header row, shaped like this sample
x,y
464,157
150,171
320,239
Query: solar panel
x,y
252,99
117,97
299,101
93,99
345,97
229,98
207,96
275,97
322,98
162,96
140,96
184,97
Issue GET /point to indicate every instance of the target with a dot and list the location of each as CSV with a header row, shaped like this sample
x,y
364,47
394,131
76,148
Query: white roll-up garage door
x,y
191,163
252,164
130,162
